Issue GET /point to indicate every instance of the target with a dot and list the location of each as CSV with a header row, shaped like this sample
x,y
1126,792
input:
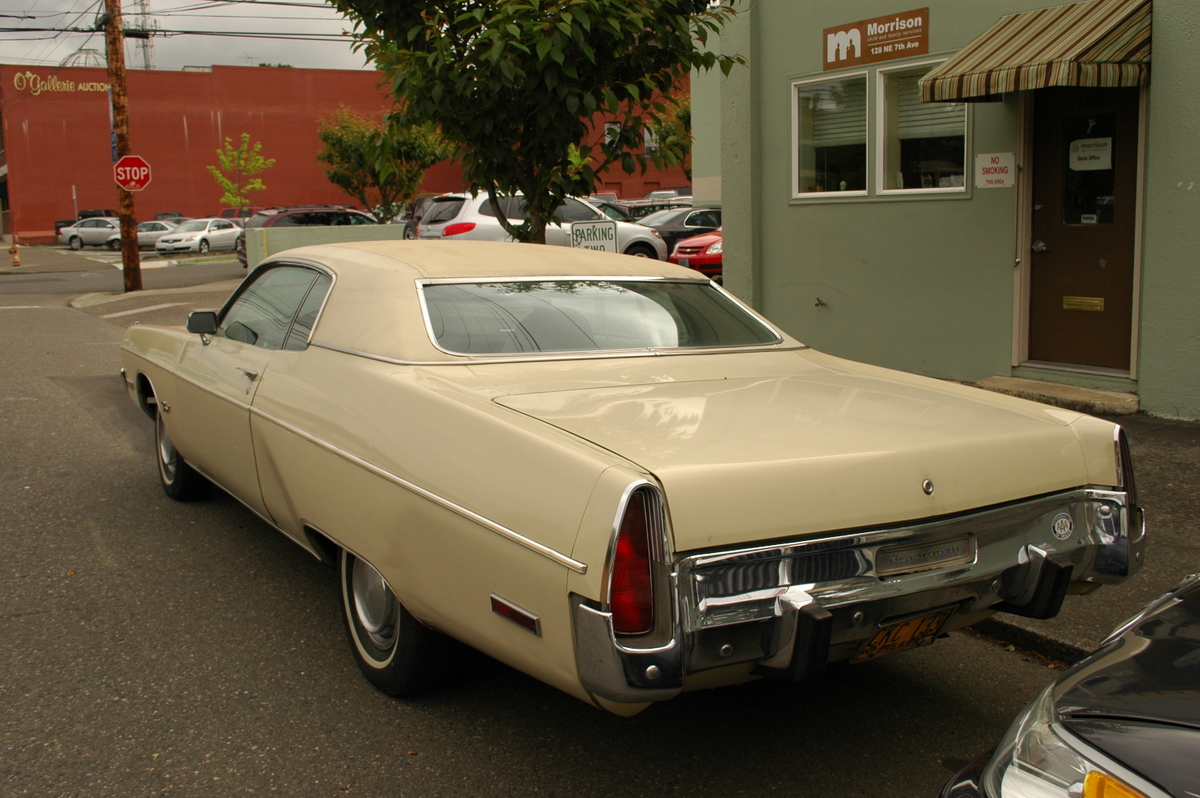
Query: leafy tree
x,y
380,164
513,84
673,131
239,170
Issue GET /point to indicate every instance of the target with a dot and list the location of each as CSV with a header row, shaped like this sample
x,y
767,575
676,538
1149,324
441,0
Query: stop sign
x,y
132,173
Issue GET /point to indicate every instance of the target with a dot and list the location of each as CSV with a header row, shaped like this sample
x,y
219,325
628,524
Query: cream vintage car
x,y
610,474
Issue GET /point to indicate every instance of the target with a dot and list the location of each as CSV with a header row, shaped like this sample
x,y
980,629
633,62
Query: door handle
x,y
1040,246
249,374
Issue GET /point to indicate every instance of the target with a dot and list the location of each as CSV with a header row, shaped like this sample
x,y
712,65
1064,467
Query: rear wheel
x,y
179,480
641,251
76,242
395,651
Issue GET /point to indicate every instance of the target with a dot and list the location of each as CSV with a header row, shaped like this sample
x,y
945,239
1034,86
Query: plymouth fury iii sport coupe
x,y
610,474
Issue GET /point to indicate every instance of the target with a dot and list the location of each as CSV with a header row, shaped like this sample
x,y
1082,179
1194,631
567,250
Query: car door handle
x,y
249,373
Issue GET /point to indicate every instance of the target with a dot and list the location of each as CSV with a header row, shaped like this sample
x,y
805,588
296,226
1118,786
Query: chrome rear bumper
x,y
790,607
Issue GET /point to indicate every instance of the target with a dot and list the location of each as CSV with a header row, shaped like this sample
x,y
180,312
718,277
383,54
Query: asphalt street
x,y
154,648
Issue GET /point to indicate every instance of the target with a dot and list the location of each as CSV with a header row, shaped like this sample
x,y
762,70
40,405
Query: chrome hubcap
x,y
168,458
374,603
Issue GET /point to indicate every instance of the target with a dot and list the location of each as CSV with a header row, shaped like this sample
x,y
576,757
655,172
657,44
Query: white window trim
x,y
881,135
795,144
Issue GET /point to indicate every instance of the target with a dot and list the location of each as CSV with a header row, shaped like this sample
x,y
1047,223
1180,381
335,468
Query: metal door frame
x,y
1022,291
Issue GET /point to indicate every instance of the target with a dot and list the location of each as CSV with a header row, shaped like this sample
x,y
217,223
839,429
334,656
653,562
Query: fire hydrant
x,y
15,251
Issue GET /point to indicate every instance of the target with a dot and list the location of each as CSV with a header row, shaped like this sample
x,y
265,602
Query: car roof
x,y
376,280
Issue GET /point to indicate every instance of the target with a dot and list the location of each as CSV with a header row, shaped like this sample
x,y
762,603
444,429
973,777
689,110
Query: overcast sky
x,y
259,25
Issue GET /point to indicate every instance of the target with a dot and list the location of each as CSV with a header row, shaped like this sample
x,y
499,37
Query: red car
x,y
702,253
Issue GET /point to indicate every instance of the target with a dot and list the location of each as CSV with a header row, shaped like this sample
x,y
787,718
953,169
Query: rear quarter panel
x,y
337,435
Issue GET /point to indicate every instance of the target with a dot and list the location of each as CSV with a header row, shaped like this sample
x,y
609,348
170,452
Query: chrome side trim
x,y
470,515
467,360
211,391
301,542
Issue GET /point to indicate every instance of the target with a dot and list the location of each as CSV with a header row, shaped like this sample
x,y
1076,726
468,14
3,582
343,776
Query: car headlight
x,y
1038,758
715,249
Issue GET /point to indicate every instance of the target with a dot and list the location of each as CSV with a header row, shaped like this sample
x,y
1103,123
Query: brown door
x,y
1084,195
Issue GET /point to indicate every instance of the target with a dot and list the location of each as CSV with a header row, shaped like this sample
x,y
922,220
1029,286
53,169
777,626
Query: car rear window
x,y
519,317
442,210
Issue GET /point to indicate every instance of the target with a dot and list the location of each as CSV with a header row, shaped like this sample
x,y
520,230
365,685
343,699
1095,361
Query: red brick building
x,y
56,150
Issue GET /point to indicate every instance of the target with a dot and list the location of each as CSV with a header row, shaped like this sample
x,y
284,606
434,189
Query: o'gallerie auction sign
x,y
880,39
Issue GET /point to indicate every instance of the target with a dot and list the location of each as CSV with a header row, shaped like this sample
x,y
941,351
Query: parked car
x,y
676,224
301,216
97,212
669,192
1123,723
612,475
463,217
148,234
412,217
95,231
612,210
170,216
639,209
199,235
244,212
703,253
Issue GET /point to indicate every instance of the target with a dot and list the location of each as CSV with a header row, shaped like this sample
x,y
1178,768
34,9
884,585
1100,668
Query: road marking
x,y
141,310
22,307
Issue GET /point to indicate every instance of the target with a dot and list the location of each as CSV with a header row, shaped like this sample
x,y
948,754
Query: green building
x,y
969,189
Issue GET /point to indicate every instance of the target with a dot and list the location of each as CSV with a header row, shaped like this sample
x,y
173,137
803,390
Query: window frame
x,y
258,274
880,130
875,76
830,77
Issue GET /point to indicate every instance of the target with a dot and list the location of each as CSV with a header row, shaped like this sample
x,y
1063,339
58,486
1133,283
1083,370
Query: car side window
x,y
575,211
263,312
307,317
221,224
704,219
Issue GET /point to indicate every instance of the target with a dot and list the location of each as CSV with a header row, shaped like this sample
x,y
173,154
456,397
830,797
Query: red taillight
x,y
631,593
457,229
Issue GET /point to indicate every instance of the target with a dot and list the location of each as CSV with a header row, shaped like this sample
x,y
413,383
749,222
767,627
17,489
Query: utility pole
x,y
114,41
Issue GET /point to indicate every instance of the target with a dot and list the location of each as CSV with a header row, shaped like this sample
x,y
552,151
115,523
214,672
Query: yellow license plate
x,y
903,635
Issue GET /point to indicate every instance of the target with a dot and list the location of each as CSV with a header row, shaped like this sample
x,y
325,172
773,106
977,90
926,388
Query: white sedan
x,y
199,235
148,234
461,217
95,232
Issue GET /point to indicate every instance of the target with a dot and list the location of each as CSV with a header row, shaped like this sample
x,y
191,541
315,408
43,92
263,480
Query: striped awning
x,y
1098,43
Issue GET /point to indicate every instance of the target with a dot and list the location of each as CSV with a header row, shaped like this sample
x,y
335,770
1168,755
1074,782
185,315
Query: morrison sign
x,y
880,39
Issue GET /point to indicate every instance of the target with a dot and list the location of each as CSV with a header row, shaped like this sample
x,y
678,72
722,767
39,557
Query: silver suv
x,y
463,217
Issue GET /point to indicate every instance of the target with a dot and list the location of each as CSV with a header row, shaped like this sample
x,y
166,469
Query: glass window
x,y
575,211
1089,181
586,315
923,144
262,313
443,210
307,317
706,218
831,135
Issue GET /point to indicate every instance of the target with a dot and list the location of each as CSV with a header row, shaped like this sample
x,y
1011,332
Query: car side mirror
x,y
202,321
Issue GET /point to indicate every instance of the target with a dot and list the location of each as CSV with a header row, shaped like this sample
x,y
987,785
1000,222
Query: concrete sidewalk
x,y
54,258
1166,459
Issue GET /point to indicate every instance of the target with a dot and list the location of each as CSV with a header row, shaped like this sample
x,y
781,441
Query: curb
x,y
1004,632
